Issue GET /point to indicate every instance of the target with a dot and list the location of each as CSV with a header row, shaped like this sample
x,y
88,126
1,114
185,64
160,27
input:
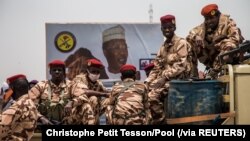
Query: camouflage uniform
x,y
209,52
97,103
128,104
51,99
18,122
172,62
82,112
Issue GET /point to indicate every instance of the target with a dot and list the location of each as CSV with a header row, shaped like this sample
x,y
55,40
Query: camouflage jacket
x,y
18,122
80,84
226,34
172,61
46,95
129,99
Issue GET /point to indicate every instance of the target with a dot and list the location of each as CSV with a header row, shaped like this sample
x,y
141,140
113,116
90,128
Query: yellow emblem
x,y
173,21
65,41
213,12
89,63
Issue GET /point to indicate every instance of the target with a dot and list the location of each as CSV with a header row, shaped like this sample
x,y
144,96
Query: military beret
x,y
209,10
168,18
127,67
94,63
15,77
56,63
149,66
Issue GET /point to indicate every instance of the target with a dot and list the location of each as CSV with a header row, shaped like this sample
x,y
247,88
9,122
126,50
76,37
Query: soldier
x,y
88,84
172,62
217,35
148,68
18,121
128,100
53,97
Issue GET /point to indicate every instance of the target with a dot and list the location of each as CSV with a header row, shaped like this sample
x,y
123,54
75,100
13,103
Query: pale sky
x,y
22,26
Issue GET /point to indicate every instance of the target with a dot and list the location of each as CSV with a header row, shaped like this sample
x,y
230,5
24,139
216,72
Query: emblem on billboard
x,y
65,41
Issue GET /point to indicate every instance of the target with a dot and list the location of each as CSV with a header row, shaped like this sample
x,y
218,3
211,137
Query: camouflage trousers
x,y
156,99
98,105
119,119
95,104
80,115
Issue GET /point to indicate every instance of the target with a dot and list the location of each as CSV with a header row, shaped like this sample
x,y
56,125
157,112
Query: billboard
x,y
113,44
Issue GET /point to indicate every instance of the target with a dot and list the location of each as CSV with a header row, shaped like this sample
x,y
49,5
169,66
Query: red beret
x,y
15,77
209,10
95,63
168,18
127,67
57,63
149,66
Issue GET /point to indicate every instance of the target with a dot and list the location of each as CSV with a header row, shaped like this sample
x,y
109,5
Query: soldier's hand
x,y
146,83
199,41
45,121
68,108
219,38
105,94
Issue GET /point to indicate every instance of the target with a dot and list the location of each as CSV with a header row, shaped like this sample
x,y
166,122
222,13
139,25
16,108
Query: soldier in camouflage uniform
x,y
217,35
54,97
172,62
128,100
88,84
18,122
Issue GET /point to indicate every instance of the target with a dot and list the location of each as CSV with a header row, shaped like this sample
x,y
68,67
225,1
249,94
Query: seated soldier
x,y
18,121
128,100
172,62
53,96
88,84
218,34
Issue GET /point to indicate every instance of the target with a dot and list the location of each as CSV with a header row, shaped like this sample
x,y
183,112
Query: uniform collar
x,y
128,80
171,43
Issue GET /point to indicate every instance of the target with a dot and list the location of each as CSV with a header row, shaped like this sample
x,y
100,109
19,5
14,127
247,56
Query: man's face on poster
x,y
116,53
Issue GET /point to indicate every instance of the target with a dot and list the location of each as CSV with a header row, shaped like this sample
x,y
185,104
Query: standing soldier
x,y
172,62
217,35
88,84
51,96
128,100
18,121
